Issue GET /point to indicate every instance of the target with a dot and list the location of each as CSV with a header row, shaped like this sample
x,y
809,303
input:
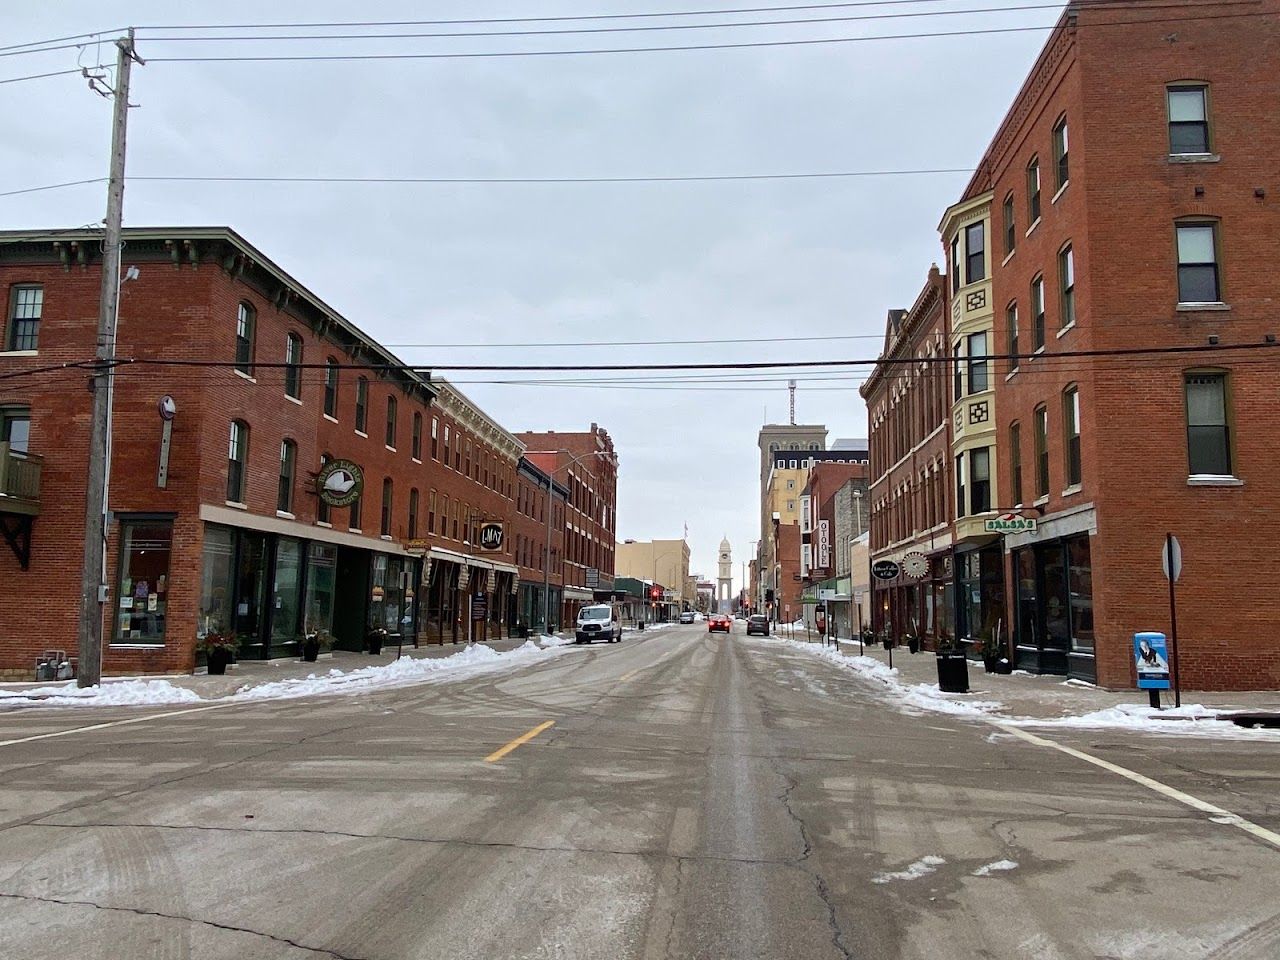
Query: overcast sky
x,y
424,266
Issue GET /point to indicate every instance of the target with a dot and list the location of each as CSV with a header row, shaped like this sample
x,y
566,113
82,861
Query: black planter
x,y
310,651
913,645
953,673
375,643
1003,666
888,644
989,664
217,659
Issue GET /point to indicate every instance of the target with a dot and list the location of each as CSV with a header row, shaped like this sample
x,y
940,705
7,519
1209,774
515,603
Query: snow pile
x,y
547,640
913,698
921,868
122,693
473,660
999,865
1133,716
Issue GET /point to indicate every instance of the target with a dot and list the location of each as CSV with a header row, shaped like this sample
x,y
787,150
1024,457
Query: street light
x,y
546,566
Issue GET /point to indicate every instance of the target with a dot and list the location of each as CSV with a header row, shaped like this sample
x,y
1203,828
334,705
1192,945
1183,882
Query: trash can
x,y
522,631
953,672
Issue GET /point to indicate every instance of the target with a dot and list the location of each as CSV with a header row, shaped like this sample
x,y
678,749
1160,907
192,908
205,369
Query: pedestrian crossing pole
x,y
93,585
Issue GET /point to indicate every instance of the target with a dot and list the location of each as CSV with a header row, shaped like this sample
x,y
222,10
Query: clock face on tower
x,y
724,556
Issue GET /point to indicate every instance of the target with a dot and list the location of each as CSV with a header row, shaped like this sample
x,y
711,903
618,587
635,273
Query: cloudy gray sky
x,y
424,266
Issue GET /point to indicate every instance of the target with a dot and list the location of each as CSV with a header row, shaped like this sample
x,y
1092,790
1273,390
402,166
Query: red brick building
x,y
912,495
587,465
234,536
1124,204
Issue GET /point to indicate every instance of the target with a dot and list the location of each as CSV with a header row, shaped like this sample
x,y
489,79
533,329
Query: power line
x,y
54,73
755,44
552,19
646,28
73,36
52,186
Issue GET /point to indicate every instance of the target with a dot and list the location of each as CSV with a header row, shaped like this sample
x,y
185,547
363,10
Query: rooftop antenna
x,y
791,386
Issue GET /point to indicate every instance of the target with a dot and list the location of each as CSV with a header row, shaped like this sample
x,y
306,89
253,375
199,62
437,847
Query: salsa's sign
x,y
1010,523
492,535
340,483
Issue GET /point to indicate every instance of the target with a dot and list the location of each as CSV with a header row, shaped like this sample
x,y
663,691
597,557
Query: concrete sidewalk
x,y
1045,697
252,673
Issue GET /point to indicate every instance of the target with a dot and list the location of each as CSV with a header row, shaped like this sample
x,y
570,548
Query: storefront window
x,y
388,608
1080,577
1057,626
286,594
143,583
322,563
1024,566
251,585
216,586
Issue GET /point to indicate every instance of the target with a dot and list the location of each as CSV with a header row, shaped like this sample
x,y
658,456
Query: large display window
x,y
142,587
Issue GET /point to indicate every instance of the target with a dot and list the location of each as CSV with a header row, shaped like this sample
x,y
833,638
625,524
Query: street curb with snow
x,y
918,698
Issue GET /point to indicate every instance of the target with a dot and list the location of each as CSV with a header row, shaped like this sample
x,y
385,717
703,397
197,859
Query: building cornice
x,y
455,403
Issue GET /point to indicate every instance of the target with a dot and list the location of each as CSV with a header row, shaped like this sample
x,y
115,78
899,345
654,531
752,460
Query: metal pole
x,y
1173,623
546,566
93,586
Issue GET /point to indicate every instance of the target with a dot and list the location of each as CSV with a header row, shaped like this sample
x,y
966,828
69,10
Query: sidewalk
x,y
1040,697
248,674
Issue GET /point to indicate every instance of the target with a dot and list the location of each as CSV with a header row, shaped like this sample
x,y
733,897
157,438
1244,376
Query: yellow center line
x,y
628,676
523,738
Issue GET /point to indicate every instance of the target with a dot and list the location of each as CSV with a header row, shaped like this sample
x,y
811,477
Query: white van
x,y
598,622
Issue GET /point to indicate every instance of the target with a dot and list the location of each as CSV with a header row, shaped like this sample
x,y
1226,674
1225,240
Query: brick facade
x,y
449,466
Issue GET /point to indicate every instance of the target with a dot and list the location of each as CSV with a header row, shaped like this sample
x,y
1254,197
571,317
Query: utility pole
x,y
93,587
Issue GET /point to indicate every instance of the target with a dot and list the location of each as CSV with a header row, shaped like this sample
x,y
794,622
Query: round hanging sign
x,y
340,483
915,566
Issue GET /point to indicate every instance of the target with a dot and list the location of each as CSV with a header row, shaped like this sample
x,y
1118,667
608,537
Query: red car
x,y
718,621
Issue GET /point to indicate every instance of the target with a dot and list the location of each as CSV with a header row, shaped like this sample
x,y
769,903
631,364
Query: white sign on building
x,y
824,544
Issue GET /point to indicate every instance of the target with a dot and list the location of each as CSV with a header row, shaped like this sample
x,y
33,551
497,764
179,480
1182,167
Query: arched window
x,y
391,422
1033,191
284,492
1071,435
413,513
331,387
416,450
237,456
293,370
362,404
384,527
246,323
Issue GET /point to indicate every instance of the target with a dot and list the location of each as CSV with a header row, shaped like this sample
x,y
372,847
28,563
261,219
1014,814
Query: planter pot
x,y
218,658
888,644
1003,666
953,673
375,644
310,651
989,664
913,645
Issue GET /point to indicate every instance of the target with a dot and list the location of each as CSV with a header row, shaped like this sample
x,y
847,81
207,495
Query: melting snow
x,y
921,868
997,866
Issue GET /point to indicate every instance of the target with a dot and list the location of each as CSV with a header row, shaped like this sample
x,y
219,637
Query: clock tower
x,y
724,589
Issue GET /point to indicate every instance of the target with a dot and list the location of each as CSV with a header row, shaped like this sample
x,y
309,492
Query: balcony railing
x,y
19,481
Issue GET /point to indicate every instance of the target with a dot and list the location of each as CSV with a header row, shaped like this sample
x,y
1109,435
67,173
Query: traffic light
x,y
655,593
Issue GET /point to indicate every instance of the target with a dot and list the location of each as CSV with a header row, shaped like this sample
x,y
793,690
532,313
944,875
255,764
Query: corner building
x,y
216,523
1132,208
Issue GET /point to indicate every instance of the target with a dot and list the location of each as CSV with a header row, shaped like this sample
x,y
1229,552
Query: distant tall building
x,y
724,581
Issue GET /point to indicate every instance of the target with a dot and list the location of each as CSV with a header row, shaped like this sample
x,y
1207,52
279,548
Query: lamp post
x,y
546,566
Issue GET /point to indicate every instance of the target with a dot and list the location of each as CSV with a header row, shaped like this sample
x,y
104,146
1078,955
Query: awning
x,y
451,556
577,593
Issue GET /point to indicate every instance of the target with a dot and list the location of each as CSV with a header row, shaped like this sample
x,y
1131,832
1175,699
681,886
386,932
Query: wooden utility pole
x,y
93,586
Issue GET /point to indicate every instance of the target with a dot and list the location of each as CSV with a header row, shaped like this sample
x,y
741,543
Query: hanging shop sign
x,y
417,547
824,544
915,566
492,535
340,483
1010,523
885,570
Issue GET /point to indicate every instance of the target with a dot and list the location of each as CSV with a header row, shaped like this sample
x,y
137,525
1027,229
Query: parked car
x,y
598,622
687,616
758,623
719,621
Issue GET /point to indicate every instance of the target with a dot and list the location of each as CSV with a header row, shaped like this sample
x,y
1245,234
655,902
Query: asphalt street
x,y
676,795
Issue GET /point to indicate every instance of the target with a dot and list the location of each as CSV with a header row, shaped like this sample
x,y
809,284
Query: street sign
x,y
826,594
1010,523
1171,556
885,570
479,607
593,578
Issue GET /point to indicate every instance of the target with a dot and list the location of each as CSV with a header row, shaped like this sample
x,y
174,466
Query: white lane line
x,y
113,723
1216,814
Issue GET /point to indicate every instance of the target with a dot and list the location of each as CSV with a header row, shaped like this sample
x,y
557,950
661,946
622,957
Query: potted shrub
x,y
913,643
376,638
218,648
989,646
313,643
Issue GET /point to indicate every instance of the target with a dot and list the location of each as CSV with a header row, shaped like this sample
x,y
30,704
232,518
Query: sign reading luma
x,y
1010,523
492,534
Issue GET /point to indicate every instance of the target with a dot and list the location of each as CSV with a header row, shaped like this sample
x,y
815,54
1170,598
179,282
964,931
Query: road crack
x,y
139,911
